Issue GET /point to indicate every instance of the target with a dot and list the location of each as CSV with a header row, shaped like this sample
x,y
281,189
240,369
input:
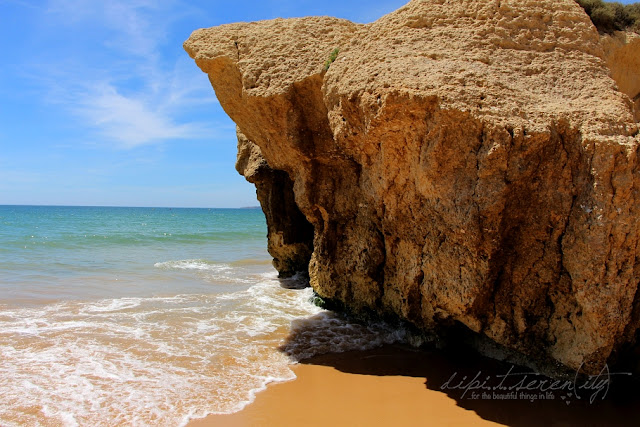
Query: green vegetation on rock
x,y
609,17
332,58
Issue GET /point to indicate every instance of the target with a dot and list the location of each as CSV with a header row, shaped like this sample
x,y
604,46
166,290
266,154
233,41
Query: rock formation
x,y
622,53
290,240
462,162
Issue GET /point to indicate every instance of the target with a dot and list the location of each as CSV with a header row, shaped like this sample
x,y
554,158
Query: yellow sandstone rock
x,y
463,162
622,53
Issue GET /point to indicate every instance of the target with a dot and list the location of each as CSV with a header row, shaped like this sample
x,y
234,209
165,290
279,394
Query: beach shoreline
x,y
398,385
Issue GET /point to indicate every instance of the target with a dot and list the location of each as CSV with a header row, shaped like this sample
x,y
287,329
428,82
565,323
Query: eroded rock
x,y
622,53
289,234
462,162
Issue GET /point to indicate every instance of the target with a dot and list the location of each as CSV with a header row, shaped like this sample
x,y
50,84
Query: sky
x,y
101,106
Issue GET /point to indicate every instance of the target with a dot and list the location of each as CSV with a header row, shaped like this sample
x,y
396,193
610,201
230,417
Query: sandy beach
x,y
397,385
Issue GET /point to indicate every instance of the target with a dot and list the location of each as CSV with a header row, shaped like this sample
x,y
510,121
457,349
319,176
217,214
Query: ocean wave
x,y
193,264
162,360
328,332
109,306
215,272
141,361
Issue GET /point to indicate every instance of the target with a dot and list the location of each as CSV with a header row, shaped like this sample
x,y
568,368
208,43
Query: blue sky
x,y
100,105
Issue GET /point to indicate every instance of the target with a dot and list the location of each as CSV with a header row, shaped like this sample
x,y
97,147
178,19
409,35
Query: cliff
x,y
467,162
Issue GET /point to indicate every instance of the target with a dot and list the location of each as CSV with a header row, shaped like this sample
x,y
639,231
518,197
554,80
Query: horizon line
x,y
124,206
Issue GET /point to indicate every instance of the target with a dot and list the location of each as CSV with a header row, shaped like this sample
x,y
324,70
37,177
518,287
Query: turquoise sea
x,y
149,316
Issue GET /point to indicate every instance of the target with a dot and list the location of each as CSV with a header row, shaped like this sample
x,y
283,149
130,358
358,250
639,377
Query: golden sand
x,y
395,385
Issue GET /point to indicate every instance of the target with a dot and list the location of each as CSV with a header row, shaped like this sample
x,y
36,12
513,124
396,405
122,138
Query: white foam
x,y
162,360
218,273
113,305
193,264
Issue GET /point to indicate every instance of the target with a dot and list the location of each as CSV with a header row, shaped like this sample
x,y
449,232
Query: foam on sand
x,y
161,360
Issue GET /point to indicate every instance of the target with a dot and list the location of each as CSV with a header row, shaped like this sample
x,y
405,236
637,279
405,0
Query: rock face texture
x,y
461,162
290,235
622,53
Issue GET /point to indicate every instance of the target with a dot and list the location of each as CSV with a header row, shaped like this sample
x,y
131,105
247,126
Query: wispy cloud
x,y
134,91
129,21
131,121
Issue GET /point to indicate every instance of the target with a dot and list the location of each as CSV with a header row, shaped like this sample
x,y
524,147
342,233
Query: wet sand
x,y
397,385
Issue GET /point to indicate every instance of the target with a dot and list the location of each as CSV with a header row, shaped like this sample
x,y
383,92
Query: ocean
x,y
149,316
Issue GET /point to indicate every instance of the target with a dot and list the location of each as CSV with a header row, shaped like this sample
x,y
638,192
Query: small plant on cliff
x,y
610,17
332,58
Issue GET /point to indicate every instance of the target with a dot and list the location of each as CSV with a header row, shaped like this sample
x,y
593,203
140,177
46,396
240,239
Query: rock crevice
x,y
290,239
464,162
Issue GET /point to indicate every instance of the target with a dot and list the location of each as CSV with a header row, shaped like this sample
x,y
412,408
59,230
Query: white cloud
x,y
136,34
130,121
134,95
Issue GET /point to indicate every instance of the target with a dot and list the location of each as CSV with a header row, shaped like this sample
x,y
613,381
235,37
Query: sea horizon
x,y
126,206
